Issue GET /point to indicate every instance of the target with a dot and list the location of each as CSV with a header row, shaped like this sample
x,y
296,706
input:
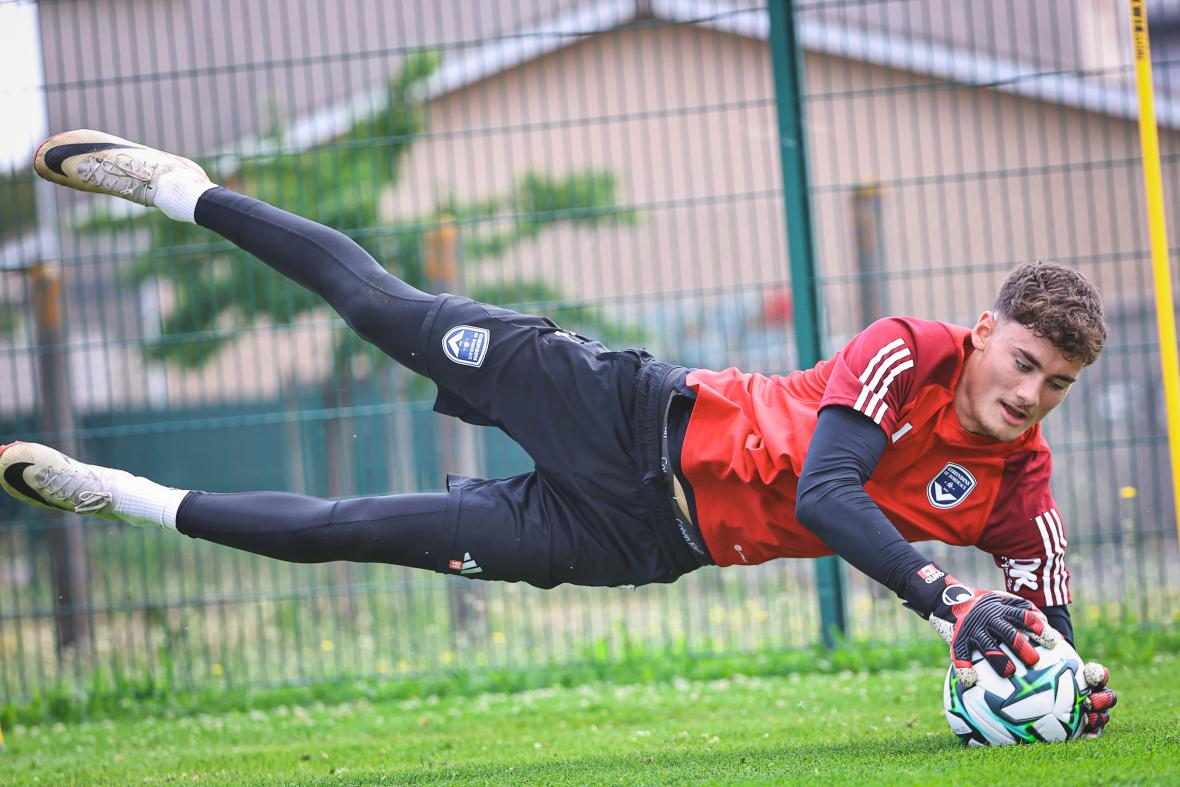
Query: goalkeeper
x,y
645,471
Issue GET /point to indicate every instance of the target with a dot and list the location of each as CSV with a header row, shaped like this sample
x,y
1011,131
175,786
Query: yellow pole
x,y
1153,185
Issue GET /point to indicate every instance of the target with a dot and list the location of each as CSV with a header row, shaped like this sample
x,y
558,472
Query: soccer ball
x,y
1038,703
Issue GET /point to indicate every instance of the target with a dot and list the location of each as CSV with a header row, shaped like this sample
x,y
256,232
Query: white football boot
x,y
38,475
95,161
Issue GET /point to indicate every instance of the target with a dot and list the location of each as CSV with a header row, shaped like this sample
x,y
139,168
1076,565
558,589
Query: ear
x,y
984,330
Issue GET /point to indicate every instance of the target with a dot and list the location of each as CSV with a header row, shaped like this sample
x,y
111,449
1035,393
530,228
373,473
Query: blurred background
x,y
617,165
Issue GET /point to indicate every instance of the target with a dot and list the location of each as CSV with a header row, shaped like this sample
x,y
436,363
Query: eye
x,y
1057,385
1022,366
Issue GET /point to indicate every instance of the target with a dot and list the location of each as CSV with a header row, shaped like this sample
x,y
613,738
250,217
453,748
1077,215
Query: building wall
x,y
971,182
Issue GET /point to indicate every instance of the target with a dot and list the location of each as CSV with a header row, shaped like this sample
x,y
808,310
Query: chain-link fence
x,y
614,165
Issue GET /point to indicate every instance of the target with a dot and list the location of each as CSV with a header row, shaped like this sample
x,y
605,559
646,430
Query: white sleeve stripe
x,y
893,345
860,400
1060,528
880,412
1061,573
1046,575
880,394
1055,573
876,385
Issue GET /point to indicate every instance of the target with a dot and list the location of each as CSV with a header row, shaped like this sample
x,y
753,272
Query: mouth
x,y
1014,415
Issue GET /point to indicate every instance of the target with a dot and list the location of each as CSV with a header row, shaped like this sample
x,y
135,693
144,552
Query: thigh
x,y
526,529
564,398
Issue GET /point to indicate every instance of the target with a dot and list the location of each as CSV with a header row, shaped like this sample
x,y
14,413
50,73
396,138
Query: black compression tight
x,y
401,529
376,304
406,530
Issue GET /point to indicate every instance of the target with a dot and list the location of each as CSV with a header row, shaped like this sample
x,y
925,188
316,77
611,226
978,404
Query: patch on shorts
x,y
466,345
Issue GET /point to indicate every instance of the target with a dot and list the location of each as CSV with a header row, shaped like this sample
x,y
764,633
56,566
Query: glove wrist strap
x,y
923,592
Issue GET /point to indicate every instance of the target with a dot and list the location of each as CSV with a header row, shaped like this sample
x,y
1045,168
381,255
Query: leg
x,y
411,530
380,307
508,532
519,529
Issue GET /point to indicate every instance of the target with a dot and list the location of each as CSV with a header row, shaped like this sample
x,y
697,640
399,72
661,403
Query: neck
x,y
963,410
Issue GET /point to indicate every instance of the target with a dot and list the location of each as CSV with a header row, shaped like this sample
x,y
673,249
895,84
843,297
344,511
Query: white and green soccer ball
x,y
1038,703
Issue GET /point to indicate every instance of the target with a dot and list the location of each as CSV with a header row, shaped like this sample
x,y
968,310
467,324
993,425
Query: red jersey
x,y
748,435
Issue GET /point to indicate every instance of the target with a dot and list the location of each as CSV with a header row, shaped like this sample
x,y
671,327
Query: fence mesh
x,y
614,165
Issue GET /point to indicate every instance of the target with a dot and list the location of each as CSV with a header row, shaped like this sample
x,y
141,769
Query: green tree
x,y
340,184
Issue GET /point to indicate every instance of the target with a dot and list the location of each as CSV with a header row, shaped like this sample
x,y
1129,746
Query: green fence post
x,y
788,79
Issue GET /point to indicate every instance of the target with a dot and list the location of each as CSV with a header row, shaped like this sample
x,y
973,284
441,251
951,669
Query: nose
x,y
1028,392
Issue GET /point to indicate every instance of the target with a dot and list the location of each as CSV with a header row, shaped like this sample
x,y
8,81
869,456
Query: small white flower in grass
x,y
538,745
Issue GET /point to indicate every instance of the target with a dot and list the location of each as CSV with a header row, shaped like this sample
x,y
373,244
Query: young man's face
x,y
1012,380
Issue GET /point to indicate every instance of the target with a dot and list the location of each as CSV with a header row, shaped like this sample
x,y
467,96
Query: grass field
x,y
835,728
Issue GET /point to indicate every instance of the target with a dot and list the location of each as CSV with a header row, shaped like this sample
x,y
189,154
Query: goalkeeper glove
x,y
1100,701
970,619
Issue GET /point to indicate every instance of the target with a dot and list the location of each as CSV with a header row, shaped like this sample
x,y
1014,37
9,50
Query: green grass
x,y
822,728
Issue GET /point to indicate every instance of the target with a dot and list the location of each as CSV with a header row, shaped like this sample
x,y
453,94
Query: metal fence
x,y
613,164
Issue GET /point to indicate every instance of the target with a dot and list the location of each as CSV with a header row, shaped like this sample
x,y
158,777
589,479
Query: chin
x,y
1008,432
999,429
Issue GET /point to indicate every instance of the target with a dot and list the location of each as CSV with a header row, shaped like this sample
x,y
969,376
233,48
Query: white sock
x,y
177,193
139,501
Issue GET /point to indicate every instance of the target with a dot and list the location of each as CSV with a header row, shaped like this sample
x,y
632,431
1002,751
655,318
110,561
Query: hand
x,y
1100,701
970,619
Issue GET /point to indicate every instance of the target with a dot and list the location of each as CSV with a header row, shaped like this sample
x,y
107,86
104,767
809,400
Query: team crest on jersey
x,y
950,487
466,345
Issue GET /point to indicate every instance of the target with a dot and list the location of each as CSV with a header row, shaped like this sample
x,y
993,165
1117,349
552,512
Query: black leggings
x,y
400,529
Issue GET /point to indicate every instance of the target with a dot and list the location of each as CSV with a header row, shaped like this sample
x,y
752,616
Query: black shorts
x,y
596,510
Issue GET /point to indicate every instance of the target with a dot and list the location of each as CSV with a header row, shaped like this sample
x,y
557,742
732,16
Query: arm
x,y
833,504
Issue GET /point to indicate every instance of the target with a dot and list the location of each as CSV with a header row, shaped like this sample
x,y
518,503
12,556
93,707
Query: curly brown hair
x,y
1056,303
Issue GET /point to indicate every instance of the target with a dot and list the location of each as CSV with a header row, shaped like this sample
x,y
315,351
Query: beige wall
x,y
644,105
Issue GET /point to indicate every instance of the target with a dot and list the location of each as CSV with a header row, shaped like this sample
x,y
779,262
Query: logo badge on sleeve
x,y
950,487
466,345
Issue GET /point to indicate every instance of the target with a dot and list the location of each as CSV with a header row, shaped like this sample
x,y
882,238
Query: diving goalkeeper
x,y
644,470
